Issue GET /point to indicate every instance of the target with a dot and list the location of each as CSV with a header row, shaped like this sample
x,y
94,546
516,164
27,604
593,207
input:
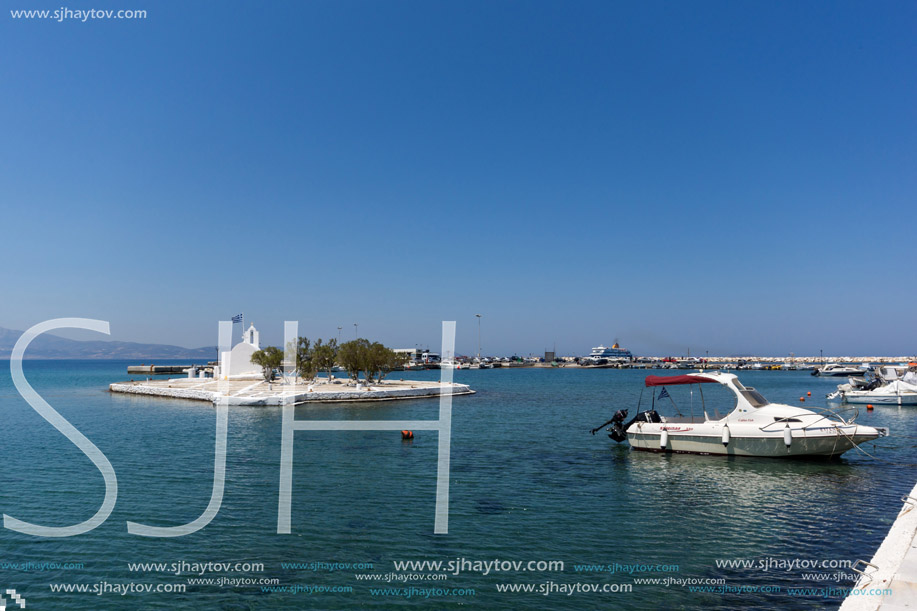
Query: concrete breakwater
x,y
158,369
237,392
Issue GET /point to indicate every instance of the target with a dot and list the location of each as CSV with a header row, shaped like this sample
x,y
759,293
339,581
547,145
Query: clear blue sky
x,y
737,177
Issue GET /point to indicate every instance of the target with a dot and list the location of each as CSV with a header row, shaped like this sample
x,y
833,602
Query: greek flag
x,y
237,318
663,394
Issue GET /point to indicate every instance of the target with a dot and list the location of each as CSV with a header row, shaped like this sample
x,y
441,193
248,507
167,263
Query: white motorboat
x,y
893,393
755,427
891,386
480,363
833,369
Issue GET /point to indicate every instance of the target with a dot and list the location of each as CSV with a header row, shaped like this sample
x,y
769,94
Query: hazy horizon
x,y
268,339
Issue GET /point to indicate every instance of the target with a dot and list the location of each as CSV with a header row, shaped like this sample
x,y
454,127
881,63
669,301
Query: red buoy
x,y
407,434
802,398
809,393
869,407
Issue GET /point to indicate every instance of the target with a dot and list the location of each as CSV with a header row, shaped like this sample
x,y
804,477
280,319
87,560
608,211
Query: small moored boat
x,y
755,427
889,386
833,369
893,393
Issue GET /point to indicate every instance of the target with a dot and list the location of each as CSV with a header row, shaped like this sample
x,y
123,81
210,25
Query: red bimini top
x,y
673,380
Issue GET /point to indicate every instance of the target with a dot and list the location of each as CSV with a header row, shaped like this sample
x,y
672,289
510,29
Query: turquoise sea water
x,y
528,483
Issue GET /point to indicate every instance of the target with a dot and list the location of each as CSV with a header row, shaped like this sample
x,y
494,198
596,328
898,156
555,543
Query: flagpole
x,y
241,319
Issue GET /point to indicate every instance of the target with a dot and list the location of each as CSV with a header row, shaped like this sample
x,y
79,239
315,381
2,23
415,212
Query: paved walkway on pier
x,y
894,567
248,392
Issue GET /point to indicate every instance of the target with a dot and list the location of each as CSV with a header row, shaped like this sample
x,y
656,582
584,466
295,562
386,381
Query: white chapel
x,y
236,364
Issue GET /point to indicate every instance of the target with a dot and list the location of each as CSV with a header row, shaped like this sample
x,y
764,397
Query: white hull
x,y
838,371
884,399
771,446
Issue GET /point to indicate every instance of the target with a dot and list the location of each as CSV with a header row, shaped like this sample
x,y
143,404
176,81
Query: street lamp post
x,y
356,329
479,337
339,334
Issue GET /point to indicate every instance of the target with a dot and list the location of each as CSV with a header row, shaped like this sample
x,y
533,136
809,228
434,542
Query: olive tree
x,y
304,358
352,356
268,359
373,359
385,360
324,356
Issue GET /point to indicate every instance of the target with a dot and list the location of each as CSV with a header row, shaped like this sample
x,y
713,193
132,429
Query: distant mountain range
x,y
49,346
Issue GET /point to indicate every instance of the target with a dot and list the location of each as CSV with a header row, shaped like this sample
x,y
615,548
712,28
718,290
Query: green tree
x,y
325,355
352,356
268,359
385,360
305,358
373,359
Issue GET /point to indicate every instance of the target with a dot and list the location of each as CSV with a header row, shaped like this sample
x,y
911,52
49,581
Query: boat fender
x,y
725,435
787,436
663,439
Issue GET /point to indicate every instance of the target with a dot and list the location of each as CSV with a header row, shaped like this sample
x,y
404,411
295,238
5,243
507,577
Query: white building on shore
x,y
236,364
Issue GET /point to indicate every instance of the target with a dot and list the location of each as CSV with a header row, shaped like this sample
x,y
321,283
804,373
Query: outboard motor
x,y
617,429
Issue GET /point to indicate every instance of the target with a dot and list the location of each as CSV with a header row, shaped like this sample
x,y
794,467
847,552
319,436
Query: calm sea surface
x,y
528,483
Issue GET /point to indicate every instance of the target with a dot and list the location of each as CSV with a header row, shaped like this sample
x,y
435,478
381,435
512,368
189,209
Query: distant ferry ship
x,y
615,352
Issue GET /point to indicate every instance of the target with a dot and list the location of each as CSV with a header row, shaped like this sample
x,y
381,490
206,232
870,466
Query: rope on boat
x,y
888,462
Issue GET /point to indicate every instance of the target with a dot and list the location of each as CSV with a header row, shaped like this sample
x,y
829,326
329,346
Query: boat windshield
x,y
754,397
